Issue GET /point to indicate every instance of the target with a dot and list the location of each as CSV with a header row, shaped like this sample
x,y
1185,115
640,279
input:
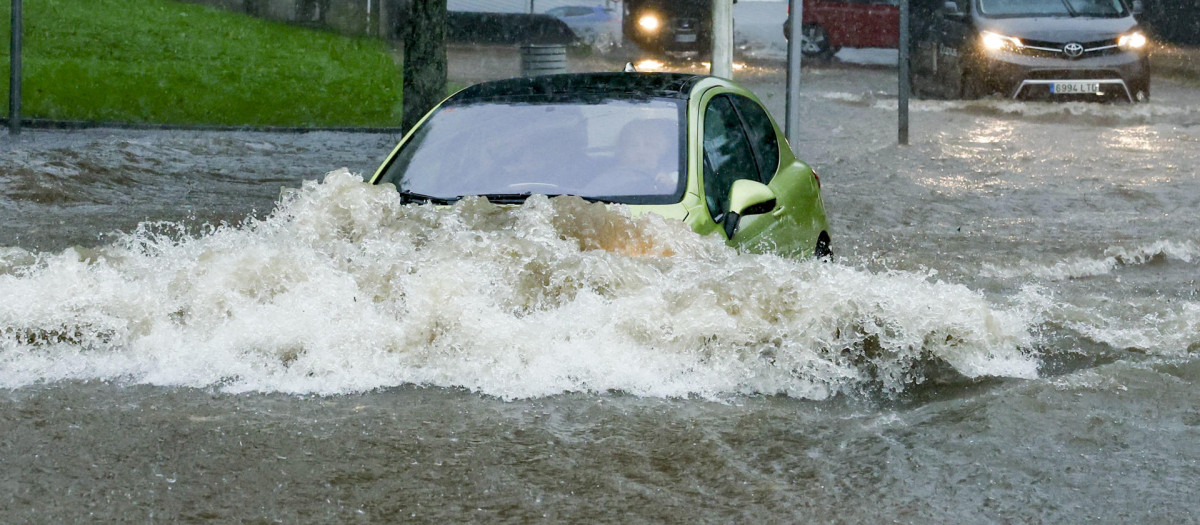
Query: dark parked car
x,y
1053,49
669,25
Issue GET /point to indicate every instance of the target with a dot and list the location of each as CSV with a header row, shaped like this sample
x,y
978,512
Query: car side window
x,y
762,136
727,155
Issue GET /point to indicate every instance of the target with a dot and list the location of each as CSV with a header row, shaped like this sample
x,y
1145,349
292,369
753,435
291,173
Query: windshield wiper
x,y
505,198
407,197
1070,8
494,198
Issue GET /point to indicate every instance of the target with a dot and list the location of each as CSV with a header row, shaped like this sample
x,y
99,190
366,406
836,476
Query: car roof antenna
x,y
629,68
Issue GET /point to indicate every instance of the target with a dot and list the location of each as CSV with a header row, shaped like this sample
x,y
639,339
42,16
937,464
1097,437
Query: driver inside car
x,y
646,161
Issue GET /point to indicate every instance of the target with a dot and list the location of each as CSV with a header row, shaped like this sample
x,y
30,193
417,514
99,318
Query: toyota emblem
x,y
1073,50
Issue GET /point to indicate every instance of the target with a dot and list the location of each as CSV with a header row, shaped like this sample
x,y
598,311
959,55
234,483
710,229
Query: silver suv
x,y
1049,49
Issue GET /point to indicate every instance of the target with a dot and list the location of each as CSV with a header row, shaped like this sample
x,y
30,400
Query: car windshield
x,y
614,150
1010,8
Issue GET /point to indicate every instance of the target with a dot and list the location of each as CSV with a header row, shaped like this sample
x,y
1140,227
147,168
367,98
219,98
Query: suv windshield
x,y
616,150
1012,8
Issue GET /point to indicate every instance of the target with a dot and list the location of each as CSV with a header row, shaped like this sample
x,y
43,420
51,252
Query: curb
x,y
78,125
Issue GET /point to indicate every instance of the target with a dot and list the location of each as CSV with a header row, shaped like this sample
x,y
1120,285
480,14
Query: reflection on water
x,y
649,65
990,131
1139,139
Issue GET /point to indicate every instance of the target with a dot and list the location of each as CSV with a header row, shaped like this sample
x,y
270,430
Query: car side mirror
x,y
1138,7
950,10
747,197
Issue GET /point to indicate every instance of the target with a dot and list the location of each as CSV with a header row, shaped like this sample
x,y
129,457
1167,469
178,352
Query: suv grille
x,y
1073,74
1044,48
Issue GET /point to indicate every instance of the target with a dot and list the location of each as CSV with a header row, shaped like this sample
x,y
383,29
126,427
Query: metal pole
x,y
905,86
792,121
14,72
722,39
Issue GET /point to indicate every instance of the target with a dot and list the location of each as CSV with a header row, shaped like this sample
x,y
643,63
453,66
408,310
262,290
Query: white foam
x,y
1114,258
1108,114
1165,330
343,289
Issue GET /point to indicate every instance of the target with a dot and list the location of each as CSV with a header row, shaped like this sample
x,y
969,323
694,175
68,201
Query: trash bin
x,y
543,59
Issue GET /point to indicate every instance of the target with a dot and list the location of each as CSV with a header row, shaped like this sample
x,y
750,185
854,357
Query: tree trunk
x,y
424,59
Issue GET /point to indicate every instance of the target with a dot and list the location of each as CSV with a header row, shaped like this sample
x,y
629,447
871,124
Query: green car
x,y
699,149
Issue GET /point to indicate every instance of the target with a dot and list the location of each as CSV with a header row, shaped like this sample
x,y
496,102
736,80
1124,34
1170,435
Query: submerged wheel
x,y
1141,93
971,86
823,250
814,42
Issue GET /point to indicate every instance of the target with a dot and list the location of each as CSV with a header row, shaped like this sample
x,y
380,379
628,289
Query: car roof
x,y
581,86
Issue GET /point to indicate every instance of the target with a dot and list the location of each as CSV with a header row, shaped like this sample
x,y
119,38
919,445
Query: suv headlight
x,y
1134,40
997,42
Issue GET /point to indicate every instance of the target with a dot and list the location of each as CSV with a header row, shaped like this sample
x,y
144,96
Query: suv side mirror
x,y
1138,7
950,10
747,197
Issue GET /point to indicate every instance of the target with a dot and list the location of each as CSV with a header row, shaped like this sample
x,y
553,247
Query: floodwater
x,y
232,327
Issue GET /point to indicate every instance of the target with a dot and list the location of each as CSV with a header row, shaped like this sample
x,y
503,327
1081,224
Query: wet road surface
x,y
1008,334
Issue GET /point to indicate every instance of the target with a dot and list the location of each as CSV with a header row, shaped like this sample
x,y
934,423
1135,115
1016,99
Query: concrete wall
x,y
522,6
231,5
284,10
350,17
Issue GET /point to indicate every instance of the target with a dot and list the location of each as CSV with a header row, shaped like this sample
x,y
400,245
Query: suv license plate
x,y
685,38
1074,88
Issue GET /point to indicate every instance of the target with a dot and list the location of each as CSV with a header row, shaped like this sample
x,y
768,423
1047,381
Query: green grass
x,y
166,62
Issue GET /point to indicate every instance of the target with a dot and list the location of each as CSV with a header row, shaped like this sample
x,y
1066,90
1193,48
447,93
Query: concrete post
x,y
14,72
384,21
722,39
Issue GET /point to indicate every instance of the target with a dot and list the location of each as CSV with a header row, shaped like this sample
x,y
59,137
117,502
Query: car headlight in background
x,y
649,22
1134,40
649,65
997,42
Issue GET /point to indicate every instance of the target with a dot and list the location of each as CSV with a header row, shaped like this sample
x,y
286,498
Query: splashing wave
x,y
343,289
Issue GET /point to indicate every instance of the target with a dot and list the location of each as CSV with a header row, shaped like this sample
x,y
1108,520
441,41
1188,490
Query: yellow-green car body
x,y
698,149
